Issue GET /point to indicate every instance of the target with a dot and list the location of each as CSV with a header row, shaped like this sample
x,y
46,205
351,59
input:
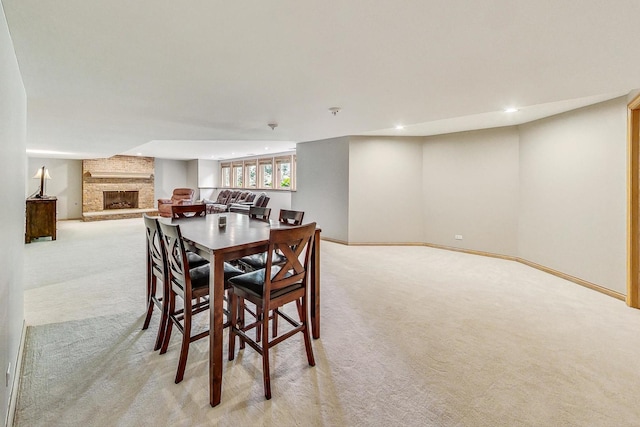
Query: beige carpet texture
x,y
411,336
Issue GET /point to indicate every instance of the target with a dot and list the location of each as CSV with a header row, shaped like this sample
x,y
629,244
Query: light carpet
x,y
410,336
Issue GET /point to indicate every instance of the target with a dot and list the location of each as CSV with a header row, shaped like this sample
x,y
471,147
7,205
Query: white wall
x,y
208,178
278,200
170,174
470,182
385,190
13,162
65,184
322,178
572,215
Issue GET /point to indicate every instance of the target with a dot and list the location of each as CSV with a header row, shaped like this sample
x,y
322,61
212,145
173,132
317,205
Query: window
x,y
265,172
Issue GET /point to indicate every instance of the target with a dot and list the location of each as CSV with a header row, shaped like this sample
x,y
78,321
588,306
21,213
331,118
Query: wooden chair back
x,y
156,259
294,245
291,217
188,211
177,262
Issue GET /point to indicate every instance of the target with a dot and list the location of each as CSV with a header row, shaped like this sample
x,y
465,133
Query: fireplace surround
x,y
117,187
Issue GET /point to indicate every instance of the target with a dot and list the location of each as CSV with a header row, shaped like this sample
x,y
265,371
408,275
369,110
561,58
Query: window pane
x,y
226,177
284,178
237,176
252,176
267,171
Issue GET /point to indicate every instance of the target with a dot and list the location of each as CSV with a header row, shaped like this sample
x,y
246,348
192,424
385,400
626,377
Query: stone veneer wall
x,y
92,187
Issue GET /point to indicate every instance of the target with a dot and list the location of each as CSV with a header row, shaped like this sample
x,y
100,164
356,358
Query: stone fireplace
x,y
117,187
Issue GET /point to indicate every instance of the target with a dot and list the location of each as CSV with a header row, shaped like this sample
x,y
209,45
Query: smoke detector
x,y
334,110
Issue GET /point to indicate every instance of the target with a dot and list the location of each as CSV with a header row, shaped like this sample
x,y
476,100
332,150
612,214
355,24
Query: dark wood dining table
x,y
241,236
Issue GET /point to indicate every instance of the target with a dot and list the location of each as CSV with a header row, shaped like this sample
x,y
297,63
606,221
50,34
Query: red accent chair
x,y
180,196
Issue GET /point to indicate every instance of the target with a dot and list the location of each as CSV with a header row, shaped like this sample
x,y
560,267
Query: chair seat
x,y
258,261
195,260
253,282
200,275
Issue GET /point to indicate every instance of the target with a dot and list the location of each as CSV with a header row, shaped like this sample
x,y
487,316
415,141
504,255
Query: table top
x,y
240,231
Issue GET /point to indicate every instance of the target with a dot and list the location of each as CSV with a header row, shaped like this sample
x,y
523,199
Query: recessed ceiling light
x,y
510,110
266,148
399,127
139,154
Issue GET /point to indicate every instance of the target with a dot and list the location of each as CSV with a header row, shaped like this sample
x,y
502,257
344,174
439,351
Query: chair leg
x,y
151,290
305,332
186,340
265,353
167,333
233,310
299,306
274,323
241,318
259,316
164,319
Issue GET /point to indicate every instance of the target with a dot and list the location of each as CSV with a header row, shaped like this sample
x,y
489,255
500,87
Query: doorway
x,y
633,203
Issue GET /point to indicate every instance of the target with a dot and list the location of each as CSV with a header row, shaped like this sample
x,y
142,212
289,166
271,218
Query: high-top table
x,y
241,236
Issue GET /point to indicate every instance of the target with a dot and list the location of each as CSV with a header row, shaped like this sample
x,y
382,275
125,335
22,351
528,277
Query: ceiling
x,y
203,79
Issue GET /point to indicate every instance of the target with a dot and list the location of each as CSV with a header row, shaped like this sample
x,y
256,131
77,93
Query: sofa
x,y
261,201
233,198
180,196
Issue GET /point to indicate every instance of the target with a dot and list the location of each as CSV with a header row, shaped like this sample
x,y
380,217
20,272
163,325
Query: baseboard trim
x,y
386,244
329,239
531,264
11,413
574,279
540,267
471,251
344,242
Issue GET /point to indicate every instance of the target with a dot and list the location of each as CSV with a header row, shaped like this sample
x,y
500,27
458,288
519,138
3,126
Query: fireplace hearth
x,y
120,200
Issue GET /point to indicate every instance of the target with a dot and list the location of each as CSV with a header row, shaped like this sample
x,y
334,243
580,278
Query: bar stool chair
x,y
156,270
270,289
189,284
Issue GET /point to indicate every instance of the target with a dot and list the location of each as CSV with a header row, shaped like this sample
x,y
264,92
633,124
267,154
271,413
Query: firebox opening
x,y
120,199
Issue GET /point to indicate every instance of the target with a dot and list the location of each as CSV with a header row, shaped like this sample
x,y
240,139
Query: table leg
x,y
315,286
216,295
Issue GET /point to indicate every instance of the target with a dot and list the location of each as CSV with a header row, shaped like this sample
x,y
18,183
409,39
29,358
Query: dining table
x,y
240,236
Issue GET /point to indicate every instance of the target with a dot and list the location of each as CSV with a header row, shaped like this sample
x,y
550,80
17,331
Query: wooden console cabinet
x,y
41,218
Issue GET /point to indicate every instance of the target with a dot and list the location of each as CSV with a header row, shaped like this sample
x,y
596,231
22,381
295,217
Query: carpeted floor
x,y
410,336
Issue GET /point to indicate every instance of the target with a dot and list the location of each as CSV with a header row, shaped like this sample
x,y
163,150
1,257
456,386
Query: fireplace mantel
x,y
120,175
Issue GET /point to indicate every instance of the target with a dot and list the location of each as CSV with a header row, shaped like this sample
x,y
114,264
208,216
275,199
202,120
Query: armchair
x,y
180,196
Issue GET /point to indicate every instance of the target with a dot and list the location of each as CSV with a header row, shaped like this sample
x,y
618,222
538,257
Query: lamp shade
x,y
38,174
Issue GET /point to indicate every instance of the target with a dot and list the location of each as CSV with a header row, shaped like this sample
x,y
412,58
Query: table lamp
x,y
42,174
